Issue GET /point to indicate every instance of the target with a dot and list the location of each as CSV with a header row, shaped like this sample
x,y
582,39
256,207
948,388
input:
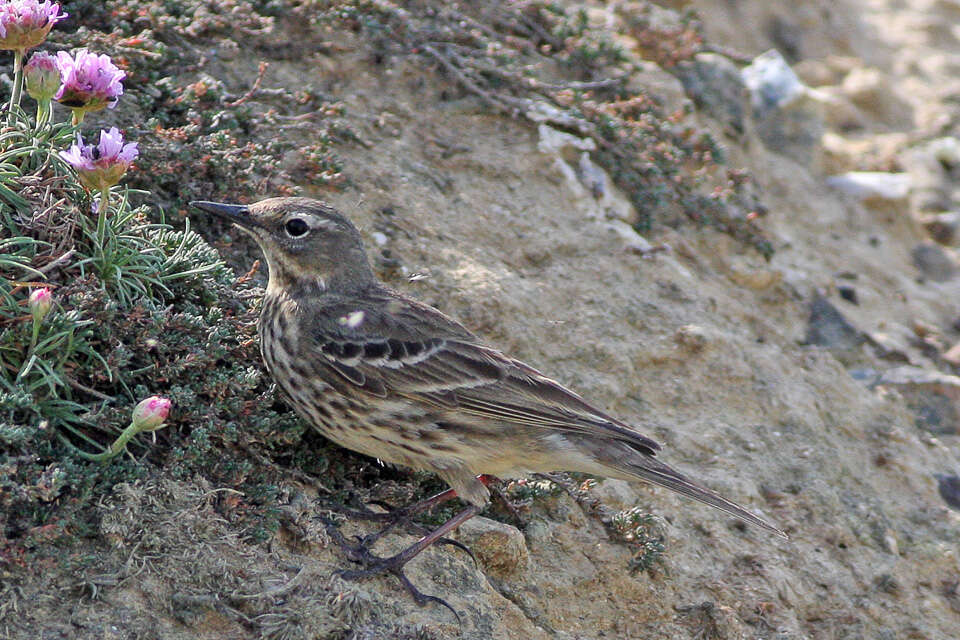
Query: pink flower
x,y
90,82
40,302
25,23
101,166
151,413
42,76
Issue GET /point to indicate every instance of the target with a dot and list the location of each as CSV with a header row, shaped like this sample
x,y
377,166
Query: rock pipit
x,y
393,378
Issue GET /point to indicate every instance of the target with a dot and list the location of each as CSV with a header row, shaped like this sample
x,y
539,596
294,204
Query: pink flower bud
x,y
40,302
41,76
150,414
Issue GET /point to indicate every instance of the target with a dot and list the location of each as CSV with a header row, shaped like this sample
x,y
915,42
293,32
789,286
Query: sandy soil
x,y
705,346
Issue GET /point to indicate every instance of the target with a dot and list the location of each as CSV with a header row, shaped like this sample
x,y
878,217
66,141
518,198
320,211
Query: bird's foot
x,y
376,566
358,551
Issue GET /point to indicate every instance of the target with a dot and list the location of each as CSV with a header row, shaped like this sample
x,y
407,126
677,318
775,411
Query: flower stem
x,y
104,207
36,333
115,449
43,113
78,117
17,83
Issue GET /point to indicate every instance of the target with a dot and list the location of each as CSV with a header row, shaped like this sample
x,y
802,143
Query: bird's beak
x,y
237,213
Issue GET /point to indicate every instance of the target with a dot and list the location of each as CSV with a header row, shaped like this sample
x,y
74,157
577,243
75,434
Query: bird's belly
x,y
385,432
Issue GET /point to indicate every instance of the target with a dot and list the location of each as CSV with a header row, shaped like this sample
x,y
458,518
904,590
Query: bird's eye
x,y
296,227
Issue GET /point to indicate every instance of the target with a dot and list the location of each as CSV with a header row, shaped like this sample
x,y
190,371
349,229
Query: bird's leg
x,y
511,508
394,516
403,515
375,565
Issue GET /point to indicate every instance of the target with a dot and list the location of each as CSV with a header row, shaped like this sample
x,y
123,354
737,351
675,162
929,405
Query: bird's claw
x,y
462,547
376,566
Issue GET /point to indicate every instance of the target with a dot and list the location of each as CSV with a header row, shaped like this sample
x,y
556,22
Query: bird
x,y
383,374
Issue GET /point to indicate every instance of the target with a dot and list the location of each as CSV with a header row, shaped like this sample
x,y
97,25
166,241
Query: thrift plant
x,y
103,304
90,83
24,24
101,166
42,78
85,82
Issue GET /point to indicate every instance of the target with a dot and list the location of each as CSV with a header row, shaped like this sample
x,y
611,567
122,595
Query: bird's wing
x,y
409,349
416,352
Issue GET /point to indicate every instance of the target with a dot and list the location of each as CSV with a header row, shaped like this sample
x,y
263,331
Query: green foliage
x,y
642,533
531,490
142,307
139,309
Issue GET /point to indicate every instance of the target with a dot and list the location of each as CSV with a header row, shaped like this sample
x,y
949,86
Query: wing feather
x,y
385,354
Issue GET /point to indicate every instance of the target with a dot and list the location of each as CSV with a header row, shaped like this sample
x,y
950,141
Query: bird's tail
x,y
635,465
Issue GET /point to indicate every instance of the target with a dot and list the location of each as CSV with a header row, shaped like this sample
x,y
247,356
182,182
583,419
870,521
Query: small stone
x,y
772,83
890,345
591,188
592,177
554,142
933,397
814,72
934,262
633,240
616,494
828,328
890,544
874,93
868,186
942,227
754,278
693,338
839,113
852,153
848,293
952,355
499,547
946,151
867,376
789,114
886,583
715,85
949,488
934,168
923,329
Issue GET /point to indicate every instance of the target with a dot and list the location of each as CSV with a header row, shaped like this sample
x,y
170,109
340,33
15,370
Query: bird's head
x,y
306,243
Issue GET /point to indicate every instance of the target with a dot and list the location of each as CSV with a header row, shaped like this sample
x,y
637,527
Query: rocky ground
x,y
819,387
